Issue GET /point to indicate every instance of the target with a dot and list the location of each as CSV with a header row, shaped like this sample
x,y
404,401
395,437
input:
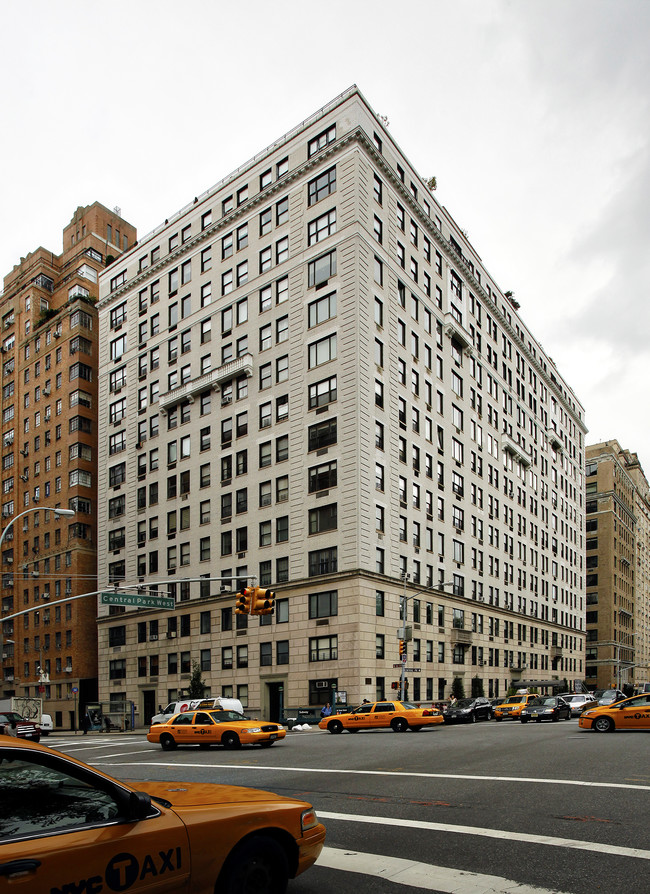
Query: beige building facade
x,y
309,380
618,581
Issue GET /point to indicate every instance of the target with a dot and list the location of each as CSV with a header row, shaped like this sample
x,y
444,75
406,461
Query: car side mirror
x,y
139,805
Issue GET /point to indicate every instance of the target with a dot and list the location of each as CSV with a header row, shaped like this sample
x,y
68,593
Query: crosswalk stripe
x,y
551,840
412,874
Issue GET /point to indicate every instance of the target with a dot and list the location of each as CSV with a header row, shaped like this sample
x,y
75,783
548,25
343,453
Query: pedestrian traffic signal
x,y
394,685
244,601
262,602
402,648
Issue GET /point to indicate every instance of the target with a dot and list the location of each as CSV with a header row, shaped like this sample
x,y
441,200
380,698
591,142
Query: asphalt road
x,y
466,809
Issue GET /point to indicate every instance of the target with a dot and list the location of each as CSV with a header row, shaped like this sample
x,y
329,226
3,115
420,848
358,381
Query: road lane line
x,y
550,840
423,875
399,774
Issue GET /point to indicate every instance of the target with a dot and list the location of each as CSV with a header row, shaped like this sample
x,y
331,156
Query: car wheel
x,y
556,717
399,725
498,719
603,725
258,865
524,720
167,742
335,726
230,740
473,717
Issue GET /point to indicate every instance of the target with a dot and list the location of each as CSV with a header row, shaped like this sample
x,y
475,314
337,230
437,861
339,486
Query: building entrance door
x,y
148,705
276,701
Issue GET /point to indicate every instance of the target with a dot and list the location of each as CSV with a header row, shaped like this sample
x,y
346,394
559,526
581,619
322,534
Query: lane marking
x,y
397,774
423,875
549,840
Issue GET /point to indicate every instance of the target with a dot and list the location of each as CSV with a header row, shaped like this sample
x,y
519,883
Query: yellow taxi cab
x,y
631,713
398,716
65,826
218,727
513,706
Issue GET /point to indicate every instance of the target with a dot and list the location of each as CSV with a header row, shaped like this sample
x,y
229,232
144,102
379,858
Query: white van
x,y
191,704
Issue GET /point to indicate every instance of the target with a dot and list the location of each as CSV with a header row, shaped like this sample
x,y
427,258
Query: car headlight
x,y
252,729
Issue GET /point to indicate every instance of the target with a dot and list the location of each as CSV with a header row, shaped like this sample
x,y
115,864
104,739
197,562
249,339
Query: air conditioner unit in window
x,y
153,637
56,334
171,634
322,684
46,392
24,452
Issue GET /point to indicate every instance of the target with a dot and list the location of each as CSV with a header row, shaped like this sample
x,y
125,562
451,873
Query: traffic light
x,y
402,648
244,601
394,685
262,602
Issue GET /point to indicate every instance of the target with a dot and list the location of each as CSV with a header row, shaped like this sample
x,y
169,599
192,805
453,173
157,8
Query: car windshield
x,y
464,703
516,698
409,706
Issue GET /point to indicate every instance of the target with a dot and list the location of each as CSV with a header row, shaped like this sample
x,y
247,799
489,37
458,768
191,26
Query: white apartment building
x,y
310,381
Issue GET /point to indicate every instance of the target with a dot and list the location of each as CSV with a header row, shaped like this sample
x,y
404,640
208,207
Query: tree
x,y
197,687
457,687
477,687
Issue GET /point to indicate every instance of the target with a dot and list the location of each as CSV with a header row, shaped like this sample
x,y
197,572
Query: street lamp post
x,y
58,512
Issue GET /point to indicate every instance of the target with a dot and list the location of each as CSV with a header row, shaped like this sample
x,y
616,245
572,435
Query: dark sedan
x,y
551,708
609,696
468,710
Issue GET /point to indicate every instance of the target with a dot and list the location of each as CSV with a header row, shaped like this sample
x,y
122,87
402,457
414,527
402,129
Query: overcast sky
x,y
532,114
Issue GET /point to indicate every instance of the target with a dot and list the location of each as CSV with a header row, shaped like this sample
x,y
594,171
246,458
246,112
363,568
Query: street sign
x,y
139,600
74,690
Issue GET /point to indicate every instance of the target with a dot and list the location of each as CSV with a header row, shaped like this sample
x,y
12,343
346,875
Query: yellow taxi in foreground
x,y
65,826
398,716
513,706
218,727
631,713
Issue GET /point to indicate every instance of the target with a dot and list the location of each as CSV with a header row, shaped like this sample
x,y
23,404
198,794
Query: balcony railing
x,y
242,365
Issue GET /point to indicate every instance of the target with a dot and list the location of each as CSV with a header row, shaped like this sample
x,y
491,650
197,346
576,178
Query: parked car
x,y
578,701
608,696
65,826
468,710
632,713
398,716
214,727
13,724
550,707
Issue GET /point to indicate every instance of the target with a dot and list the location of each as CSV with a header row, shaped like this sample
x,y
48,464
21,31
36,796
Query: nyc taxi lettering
x,y
123,871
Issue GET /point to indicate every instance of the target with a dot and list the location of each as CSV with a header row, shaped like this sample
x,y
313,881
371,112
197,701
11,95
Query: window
x,y
320,269
322,477
323,648
322,186
321,227
323,605
322,309
321,141
322,393
323,518
322,351
322,434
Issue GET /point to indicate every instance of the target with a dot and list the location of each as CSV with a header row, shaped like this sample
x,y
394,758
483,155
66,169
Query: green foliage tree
x,y
457,688
197,686
477,687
